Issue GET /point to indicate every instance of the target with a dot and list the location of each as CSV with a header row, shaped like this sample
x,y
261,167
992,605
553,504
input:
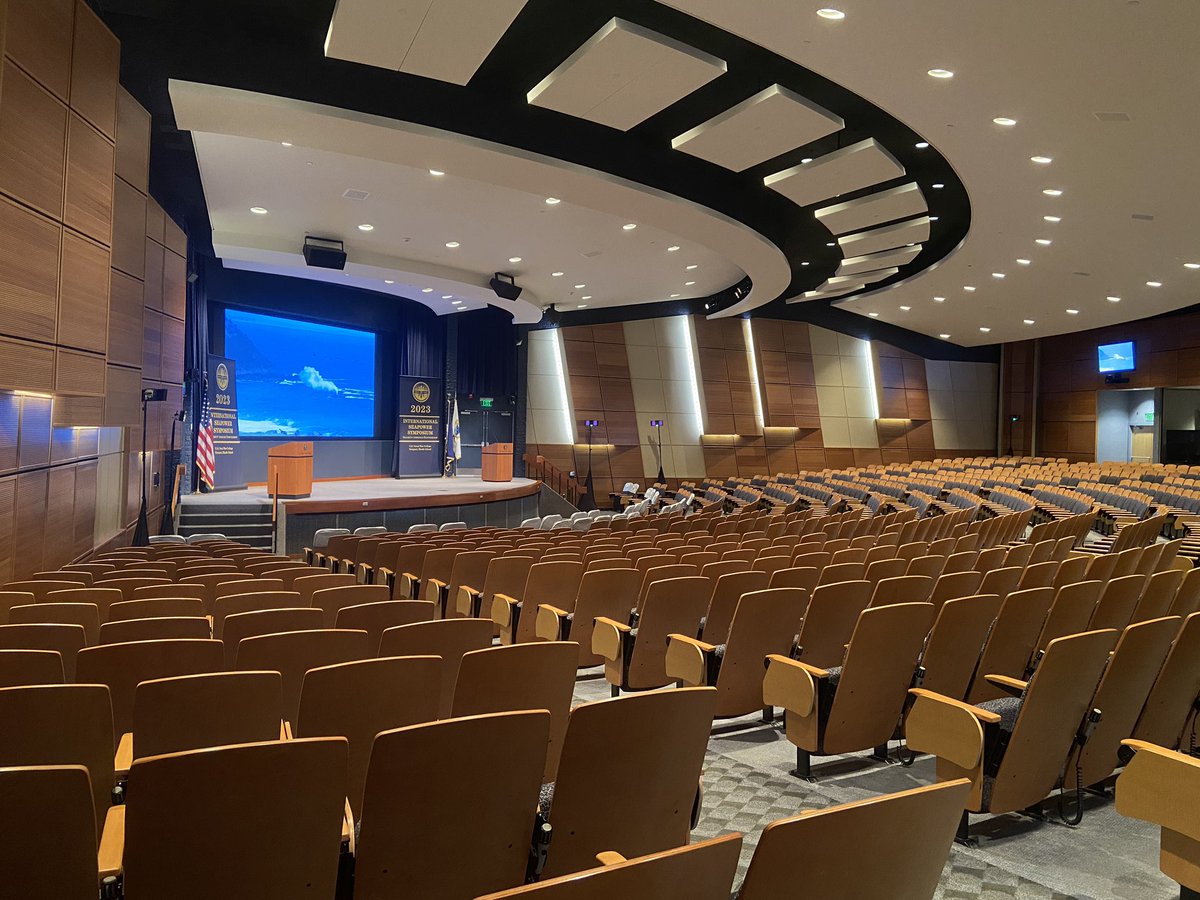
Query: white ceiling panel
x,y
884,206
762,127
443,39
623,75
914,231
871,261
848,169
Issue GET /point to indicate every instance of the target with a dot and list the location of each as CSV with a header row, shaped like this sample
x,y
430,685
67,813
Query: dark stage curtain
x,y
487,354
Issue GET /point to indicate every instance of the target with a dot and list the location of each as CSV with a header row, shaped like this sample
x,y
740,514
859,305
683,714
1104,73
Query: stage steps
x,y
247,523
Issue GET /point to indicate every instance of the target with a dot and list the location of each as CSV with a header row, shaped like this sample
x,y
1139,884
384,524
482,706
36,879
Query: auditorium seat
x,y
154,629
796,576
20,668
1070,612
205,536
66,640
1039,718
855,705
628,776
1012,640
332,599
469,569
41,589
448,639
233,604
198,822
358,700
1158,596
727,590
83,614
101,597
436,567
602,593
376,618
156,608
415,839
902,589
762,626
1002,581
56,852
547,582
1117,602
955,642
292,653
1173,698
83,577
255,623
829,621
506,574
701,871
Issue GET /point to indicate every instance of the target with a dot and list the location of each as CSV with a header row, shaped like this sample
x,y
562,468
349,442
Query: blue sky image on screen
x,y
300,379
1116,357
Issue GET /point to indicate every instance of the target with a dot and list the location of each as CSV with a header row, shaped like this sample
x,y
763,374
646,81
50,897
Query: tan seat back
x,y
332,599
1012,640
1169,705
1001,582
902,589
103,598
358,700
154,629
628,776
837,572
671,606
189,712
41,589
127,584
1071,570
608,593
926,565
259,601
956,642
49,800
419,781
449,639
469,570
61,725
66,640
437,565
241,626
548,582
292,653
726,592
1117,602
1038,575
25,668
84,615
764,623
521,676
701,871
193,815
157,608
909,834
1072,609
885,568
376,618
953,585
963,561
832,613
1159,595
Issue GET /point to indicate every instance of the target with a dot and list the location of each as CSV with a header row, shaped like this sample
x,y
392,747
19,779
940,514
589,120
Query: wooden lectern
x,y
290,468
497,462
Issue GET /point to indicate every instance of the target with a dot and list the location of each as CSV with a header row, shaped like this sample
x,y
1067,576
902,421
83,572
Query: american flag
x,y
205,458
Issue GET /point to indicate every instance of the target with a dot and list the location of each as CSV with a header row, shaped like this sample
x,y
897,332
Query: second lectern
x,y
290,470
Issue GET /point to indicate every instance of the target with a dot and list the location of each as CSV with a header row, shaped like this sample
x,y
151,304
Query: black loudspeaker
x,y
505,290
321,253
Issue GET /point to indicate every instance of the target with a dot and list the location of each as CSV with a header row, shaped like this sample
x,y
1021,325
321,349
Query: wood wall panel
x,y
10,424
156,220
78,412
122,396
8,528
172,350
88,204
29,255
33,142
59,545
133,143
36,431
84,518
152,287
39,39
152,346
25,366
29,536
80,374
83,294
95,61
125,320
129,235
174,285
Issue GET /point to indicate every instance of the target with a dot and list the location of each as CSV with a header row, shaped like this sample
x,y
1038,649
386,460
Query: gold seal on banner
x,y
222,377
420,392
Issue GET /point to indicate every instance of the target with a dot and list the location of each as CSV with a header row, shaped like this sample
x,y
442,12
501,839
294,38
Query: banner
x,y
222,404
420,405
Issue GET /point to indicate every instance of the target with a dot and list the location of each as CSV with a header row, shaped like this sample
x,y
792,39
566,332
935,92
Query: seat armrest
x,y
408,585
609,858
947,728
348,829
433,590
687,659
1014,686
791,684
285,730
549,623
467,603
124,757
608,636
502,609
111,858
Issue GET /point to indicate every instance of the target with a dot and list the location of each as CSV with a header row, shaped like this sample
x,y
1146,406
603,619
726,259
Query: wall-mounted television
x,y
1116,357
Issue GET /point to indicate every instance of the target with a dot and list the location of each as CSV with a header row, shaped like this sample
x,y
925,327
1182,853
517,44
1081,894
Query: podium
x,y
497,462
290,469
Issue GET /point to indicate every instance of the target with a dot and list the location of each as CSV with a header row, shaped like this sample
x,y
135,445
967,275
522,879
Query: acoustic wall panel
x,y
29,258
89,184
83,300
125,320
95,61
33,142
133,143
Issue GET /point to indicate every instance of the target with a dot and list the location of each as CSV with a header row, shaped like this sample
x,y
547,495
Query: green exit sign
x,y
486,402
1150,418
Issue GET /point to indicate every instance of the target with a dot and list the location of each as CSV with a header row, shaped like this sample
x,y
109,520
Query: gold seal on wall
x,y
222,377
420,392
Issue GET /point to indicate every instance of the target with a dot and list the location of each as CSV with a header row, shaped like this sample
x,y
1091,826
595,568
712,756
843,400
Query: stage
x,y
394,503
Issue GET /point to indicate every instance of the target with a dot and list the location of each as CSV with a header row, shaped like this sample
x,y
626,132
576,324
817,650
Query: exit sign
x,y
486,402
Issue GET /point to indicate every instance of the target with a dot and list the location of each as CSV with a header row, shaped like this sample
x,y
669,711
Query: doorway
x,y
1141,443
1126,425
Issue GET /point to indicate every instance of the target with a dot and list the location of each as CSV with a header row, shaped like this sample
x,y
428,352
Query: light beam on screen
x,y
560,370
685,327
748,333
869,355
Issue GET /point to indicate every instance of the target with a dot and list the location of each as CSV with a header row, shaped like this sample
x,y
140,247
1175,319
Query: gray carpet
x,y
748,785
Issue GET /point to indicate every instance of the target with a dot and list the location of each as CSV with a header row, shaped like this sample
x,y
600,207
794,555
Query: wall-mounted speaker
x,y
323,253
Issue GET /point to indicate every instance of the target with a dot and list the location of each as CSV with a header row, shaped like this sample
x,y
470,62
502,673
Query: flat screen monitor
x,y
1116,357
301,379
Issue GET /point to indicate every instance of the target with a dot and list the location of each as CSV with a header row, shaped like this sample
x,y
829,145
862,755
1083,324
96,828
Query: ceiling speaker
x,y
506,290
322,253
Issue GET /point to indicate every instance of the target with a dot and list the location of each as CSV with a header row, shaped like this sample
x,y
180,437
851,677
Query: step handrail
x,y
537,466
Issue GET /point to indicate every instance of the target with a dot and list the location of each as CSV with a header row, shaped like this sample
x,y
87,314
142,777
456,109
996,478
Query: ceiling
x,y
1053,67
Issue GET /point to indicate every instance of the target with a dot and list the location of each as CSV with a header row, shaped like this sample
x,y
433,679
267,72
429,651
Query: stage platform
x,y
394,503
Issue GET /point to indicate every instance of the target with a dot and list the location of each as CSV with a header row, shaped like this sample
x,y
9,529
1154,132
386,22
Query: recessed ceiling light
x,y
1041,160
944,337
1153,284
832,14
672,248
997,274
967,287
693,266
804,263
933,218
447,296
675,295
259,210
939,299
1113,299
514,259
1023,262
1051,218
285,143
806,160
938,186
581,306
1005,121
906,308
984,329
426,290
830,244
1072,312
556,274
365,227
1045,242
388,281
452,244
921,145
873,315
1191,265
580,287
586,297
456,303
688,283
1028,321
436,173
941,73
552,201
1052,192
629,226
